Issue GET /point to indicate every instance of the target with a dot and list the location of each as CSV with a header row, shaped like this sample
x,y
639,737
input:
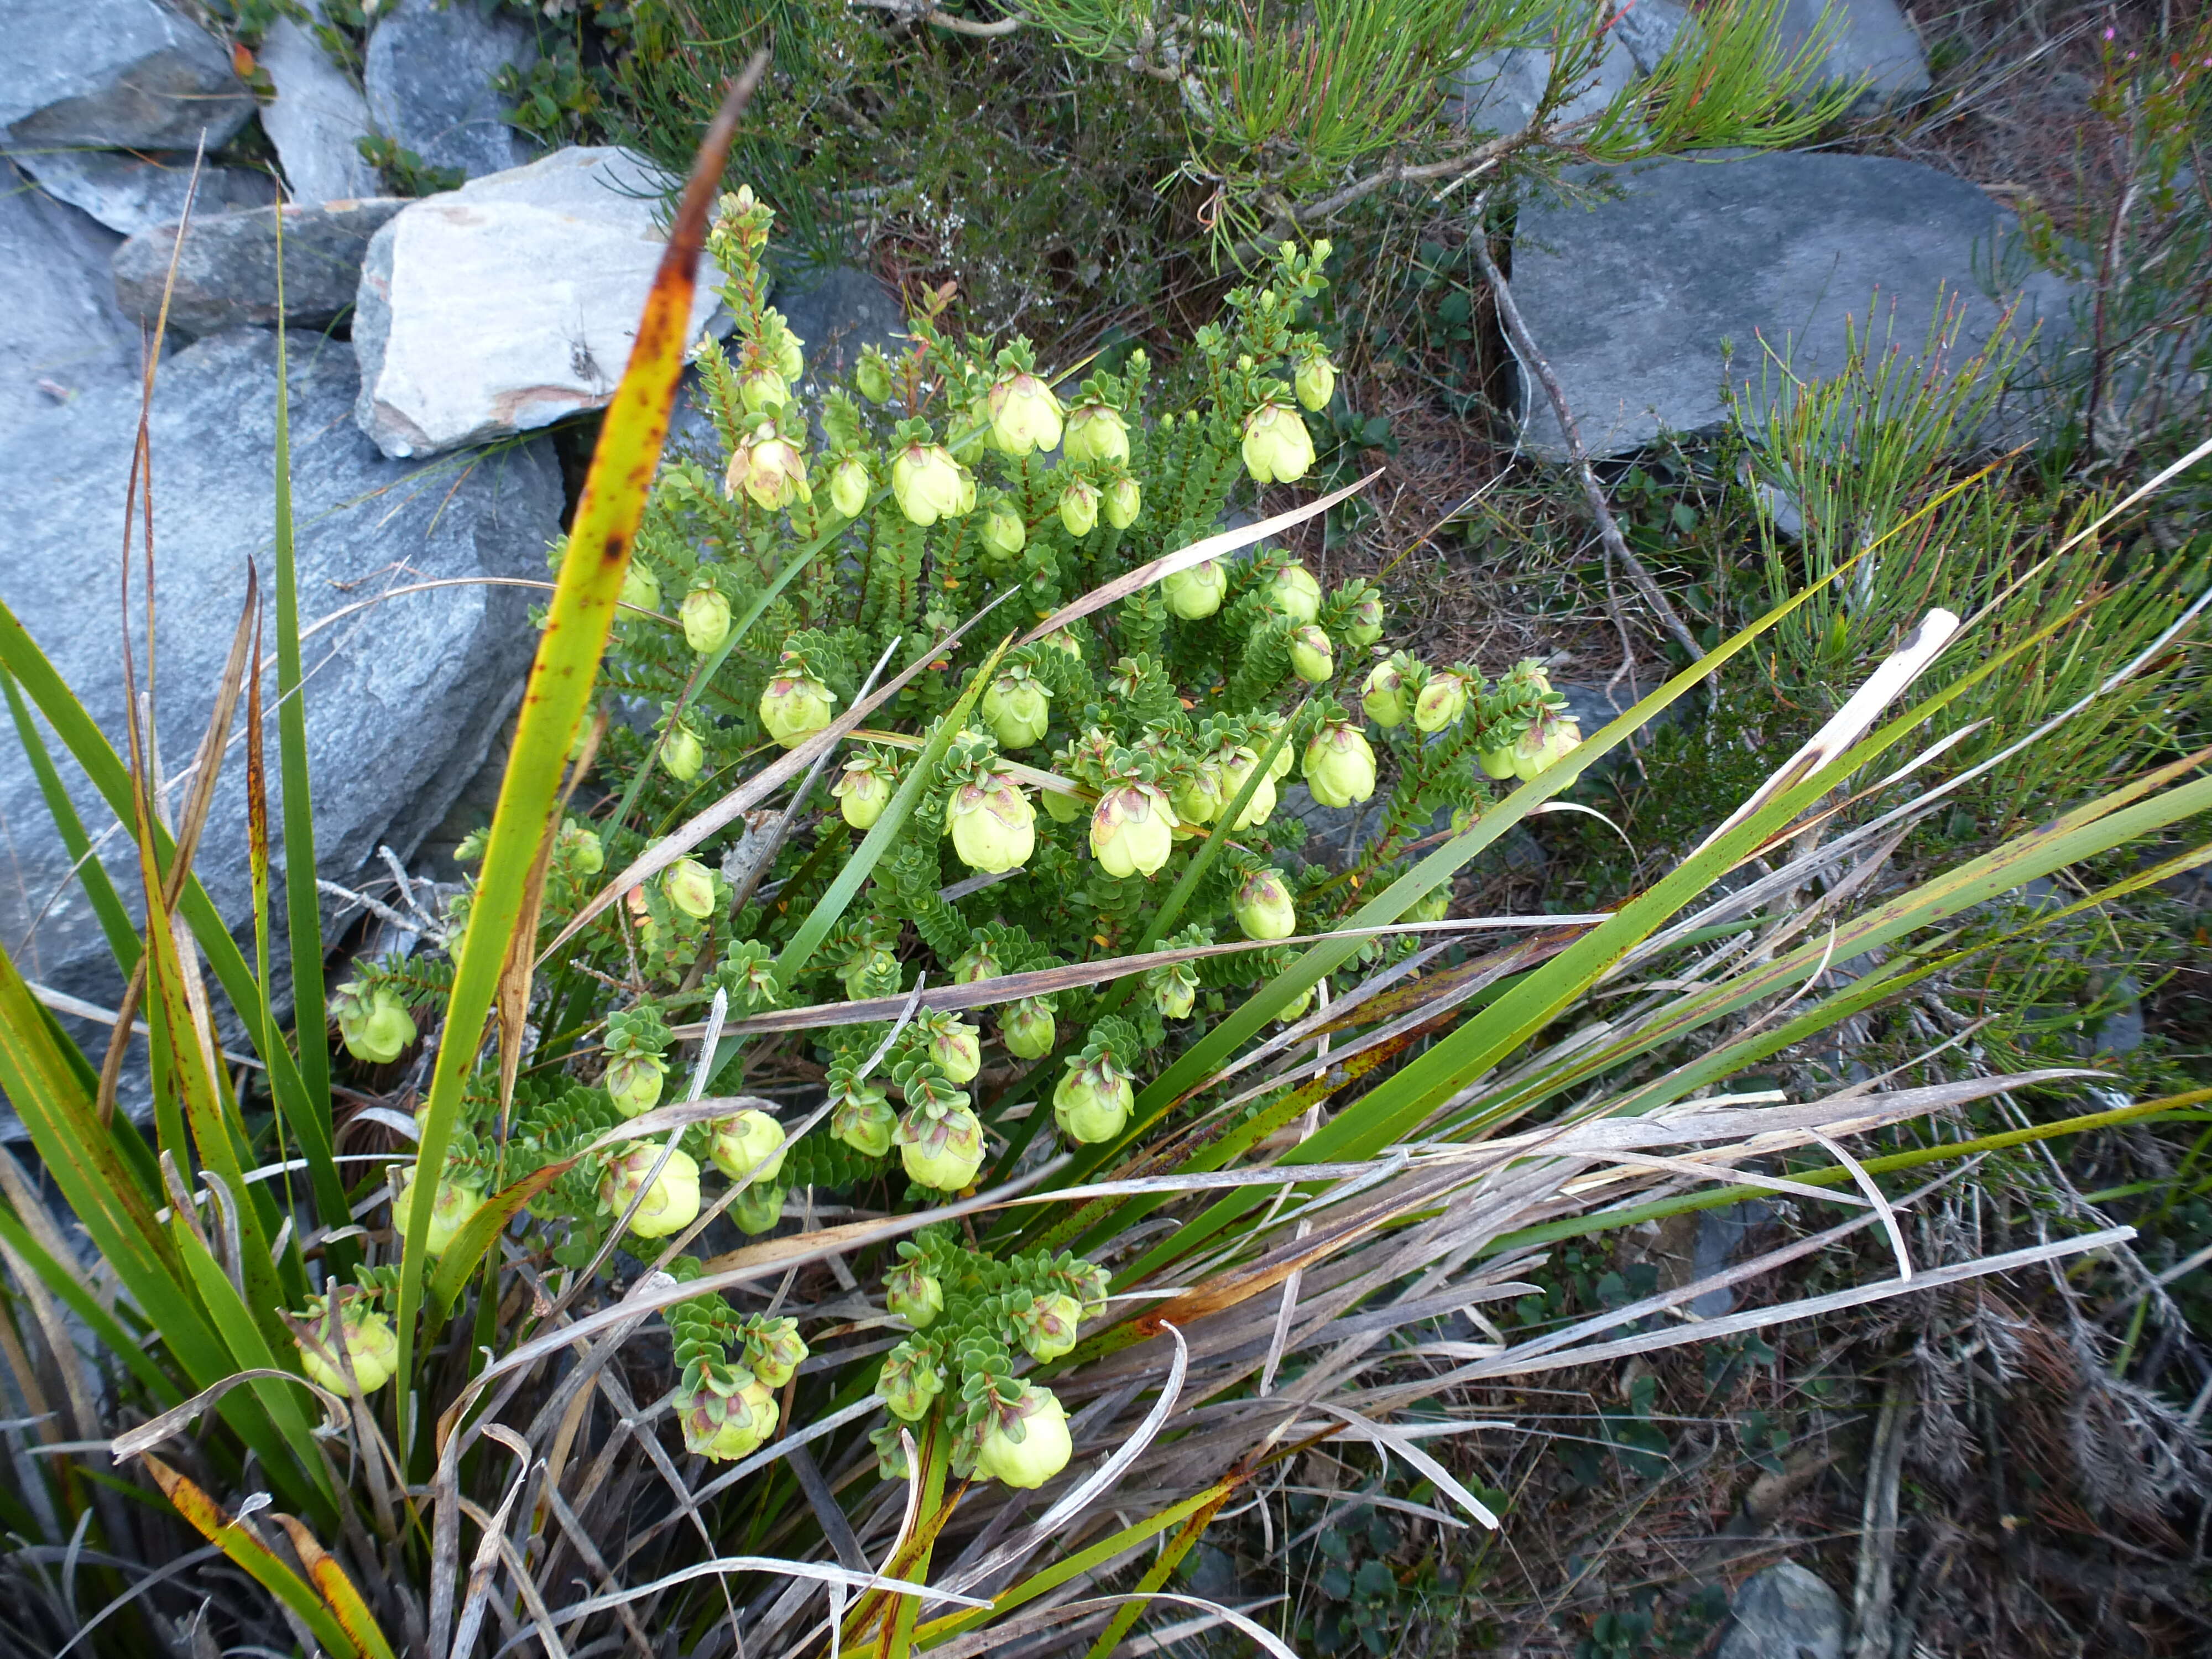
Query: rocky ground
x,y
437,342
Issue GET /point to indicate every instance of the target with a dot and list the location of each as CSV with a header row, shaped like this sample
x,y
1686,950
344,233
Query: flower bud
x,y
1028,1444
1239,764
1092,1100
957,1048
374,1025
1196,592
1382,695
1132,830
757,1209
872,378
1024,414
945,1153
450,1210
1442,702
1310,656
689,888
641,587
1196,795
1263,906
1078,508
682,754
633,1082
848,486
864,1121
1097,432
671,1202
775,1351
770,469
992,824
581,848
1029,1029
365,1335
1363,626
1004,533
913,1295
1293,591
794,705
862,792
1124,499
1551,737
926,481
909,1383
1048,1325
1340,765
751,1144
1018,708
1315,379
705,615
1276,447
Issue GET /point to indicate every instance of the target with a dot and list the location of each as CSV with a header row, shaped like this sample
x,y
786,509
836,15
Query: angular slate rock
x,y
116,74
1649,28
1784,1611
509,303
316,119
226,274
1868,38
403,693
1632,301
428,72
131,193
1499,92
61,331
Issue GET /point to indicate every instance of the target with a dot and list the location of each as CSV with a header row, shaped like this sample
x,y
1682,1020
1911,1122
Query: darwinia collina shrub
x,y
853,523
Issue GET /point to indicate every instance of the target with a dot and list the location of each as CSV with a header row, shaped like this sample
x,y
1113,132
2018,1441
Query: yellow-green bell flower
x,y
943,1154
454,1203
864,1119
1442,702
1340,765
794,705
871,378
1195,593
374,1025
671,1201
1276,447
768,468
1027,1444
957,1048
1496,762
1047,1326
992,824
757,1209
1363,626
1132,830
705,614
689,887
1018,708
1311,659
925,482
1097,432
1004,533
682,754
581,849
1196,795
1293,591
641,587
849,485
1549,739
911,1293
748,1145
365,1335
1263,906
862,792
909,1382
1238,765
1382,694
1025,415
1092,1100
1029,1029
1079,506
1315,379
1124,500
633,1082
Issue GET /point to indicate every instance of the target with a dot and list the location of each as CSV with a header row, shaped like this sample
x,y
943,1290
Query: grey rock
x,y
836,310
61,332
1783,1612
227,273
428,72
509,303
1868,38
402,695
1649,28
316,119
131,193
1722,1239
1637,301
113,74
2122,1031
1499,91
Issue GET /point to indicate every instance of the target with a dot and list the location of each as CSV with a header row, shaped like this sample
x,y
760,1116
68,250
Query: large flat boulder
x,y
1699,275
119,74
405,688
131,193
316,120
226,274
428,72
61,331
509,303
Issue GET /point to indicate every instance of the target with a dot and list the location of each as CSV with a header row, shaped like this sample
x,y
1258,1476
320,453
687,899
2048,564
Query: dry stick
x,y
1524,348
